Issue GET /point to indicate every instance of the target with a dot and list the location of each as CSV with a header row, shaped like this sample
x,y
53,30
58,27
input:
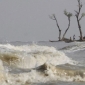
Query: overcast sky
x,y
28,20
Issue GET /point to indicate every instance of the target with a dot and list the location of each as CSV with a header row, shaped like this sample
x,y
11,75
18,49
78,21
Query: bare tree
x,y
53,17
69,17
79,17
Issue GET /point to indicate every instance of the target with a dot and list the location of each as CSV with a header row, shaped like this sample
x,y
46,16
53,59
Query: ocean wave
x,y
48,73
33,63
72,48
65,72
31,56
2,72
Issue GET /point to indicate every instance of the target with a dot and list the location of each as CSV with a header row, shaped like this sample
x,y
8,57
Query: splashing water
x,y
33,63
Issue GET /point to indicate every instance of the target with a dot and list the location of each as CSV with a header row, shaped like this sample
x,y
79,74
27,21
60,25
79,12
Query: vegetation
x,y
80,5
78,16
53,17
69,15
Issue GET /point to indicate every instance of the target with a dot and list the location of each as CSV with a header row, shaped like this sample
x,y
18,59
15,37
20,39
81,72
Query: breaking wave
x,y
76,47
33,63
31,56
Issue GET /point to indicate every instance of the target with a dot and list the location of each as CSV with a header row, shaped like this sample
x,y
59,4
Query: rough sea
x,y
42,63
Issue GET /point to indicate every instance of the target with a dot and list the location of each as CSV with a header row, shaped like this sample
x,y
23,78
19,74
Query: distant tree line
x,y
78,16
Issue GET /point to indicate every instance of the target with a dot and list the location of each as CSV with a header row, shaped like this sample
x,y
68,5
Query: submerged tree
x,y
79,17
69,15
53,17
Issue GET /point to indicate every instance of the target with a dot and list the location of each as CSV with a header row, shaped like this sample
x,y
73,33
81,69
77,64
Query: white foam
x,y
75,47
2,72
29,57
34,55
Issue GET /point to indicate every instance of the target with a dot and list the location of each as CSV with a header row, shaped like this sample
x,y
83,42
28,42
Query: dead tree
x,y
79,17
69,17
53,17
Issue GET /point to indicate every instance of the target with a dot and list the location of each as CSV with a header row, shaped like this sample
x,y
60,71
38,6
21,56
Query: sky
x,y
28,20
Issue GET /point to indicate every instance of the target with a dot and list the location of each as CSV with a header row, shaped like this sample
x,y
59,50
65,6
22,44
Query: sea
x,y
42,63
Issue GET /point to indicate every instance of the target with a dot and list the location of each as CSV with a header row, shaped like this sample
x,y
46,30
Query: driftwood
x,y
68,40
64,39
53,41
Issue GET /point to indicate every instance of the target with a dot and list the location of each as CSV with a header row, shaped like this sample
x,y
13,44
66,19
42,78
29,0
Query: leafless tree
x,y
69,15
79,17
53,17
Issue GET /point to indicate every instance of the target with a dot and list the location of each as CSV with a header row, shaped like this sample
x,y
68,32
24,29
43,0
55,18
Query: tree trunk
x,y
58,29
79,26
66,29
59,35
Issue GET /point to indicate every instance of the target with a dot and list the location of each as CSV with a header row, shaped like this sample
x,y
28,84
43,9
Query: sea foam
x,y
33,63
32,56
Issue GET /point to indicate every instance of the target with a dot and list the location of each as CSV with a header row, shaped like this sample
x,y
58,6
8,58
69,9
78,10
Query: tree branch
x,y
80,5
53,17
83,14
80,17
67,28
